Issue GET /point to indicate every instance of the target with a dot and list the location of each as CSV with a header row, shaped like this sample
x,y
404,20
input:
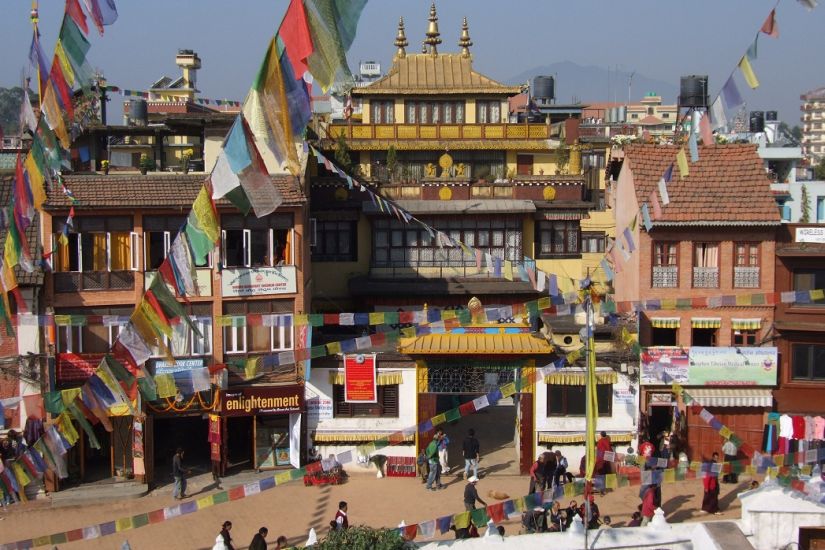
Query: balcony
x,y
416,132
746,277
75,281
705,277
666,276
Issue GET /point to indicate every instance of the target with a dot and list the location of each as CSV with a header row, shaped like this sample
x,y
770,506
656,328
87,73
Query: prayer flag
x,y
705,130
694,146
74,11
646,218
717,111
27,118
76,47
609,275
730,93
668,175
682,161
747,72
553,284
628,237
332,25
294,33
752,49
770,27
657,209
38,61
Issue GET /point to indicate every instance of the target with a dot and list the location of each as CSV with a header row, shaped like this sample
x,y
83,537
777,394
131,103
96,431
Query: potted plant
x,y
145,163
185,157
104,165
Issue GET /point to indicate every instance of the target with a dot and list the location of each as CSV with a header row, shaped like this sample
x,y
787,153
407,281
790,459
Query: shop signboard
x,y
318,407
258,281
623,396
664,366
360,378
263,400
165,367
810,234
710,366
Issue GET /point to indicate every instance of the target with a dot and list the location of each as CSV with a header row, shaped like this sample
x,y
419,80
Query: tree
x,y
392,162
806,206
343,157
10,101
363,538
819,170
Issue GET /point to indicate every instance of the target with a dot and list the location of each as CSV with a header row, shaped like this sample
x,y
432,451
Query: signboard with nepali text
x,y
360,379
258,281
710,366
263,400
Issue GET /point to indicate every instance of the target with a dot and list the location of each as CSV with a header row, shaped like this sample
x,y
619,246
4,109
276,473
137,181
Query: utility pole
x,y
629,86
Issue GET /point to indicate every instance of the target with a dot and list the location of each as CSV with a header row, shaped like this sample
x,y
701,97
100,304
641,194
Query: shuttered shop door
x,y
745,422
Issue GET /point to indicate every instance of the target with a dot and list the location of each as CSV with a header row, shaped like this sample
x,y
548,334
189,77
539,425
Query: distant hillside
x,y
590,84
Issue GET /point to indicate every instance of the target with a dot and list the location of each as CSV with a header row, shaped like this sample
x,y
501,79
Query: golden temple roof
x,y
441,74
475,344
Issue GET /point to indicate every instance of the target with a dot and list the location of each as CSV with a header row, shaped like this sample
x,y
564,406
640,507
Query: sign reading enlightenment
x,y
253,400
360,378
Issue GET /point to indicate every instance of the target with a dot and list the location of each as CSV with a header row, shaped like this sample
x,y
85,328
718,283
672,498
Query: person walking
x,y
179,474
648,504
549,470
259,540
423,466
341,521
471,495
281,543
561,469
729,450
710,500
434,478
470,449
603,445
224,541
443,459
537,479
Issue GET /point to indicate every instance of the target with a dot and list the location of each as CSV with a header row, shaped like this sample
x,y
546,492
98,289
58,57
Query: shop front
x,y
262,426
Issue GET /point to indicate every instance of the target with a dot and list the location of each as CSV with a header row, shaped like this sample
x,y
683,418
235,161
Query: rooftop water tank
x,y
138,112
757,121
693,91
544,87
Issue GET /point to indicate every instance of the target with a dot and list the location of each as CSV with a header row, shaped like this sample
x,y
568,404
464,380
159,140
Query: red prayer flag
x,y
466,408
705,130
410,531
74,11
657,208
64,91
294,33
770,27
496,512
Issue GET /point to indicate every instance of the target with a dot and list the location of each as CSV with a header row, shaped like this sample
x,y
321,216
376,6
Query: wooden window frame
x,y
811,360
319,251
604,393
567,252
387,405
752,249
744,338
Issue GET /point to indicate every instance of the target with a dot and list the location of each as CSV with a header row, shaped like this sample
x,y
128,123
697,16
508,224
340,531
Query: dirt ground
x,y
292,509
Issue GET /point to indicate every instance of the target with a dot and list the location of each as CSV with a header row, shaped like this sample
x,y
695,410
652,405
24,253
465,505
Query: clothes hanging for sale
x,y
770,433
785,426
819,427
809,428
798,426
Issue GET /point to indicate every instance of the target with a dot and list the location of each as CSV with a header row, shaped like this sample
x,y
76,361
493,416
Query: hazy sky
x,y
660,39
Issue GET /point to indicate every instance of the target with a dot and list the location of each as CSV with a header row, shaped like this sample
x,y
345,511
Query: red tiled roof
x,y
156,190
651,120
727,185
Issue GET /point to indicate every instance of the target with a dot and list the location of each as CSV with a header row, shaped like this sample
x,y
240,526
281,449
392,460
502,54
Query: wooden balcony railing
x,y
94,280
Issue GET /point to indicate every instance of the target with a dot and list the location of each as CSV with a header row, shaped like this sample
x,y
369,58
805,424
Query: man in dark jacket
x,y
470,449
179,473
471,495
259,540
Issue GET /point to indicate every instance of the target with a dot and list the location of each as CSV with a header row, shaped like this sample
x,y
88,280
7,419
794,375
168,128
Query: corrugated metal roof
x,y
440,74
475,344
733,397
474,206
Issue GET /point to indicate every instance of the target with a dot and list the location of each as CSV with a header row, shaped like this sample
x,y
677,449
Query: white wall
x,y
815,189
319,384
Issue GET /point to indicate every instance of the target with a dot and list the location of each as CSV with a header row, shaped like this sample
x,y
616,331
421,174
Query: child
x,y
423,466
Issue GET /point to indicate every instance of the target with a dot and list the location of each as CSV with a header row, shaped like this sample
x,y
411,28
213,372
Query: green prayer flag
x,y
148,389
172,309
479,517
220,497
316,319
452,415
76,47
81,420
119,370
140,520
239,200
53,402
201,244
332,25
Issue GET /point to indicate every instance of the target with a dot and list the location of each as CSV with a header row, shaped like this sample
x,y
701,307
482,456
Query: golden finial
x,y
464,42
433,36
401,40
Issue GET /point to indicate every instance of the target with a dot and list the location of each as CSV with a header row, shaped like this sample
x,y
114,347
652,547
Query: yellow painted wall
x,y
541,161
564,269
399,110
331,278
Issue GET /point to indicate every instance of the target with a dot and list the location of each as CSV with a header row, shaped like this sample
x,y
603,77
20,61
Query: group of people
x,y
558,518
224,539
433,460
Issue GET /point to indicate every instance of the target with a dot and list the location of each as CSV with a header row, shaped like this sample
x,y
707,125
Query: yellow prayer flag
x,y
366,449
669,475
611,482
747,72
462,520
165,385
43,540
519,503
544,303
695,466
439,419
818,294
676,388
23,478
569,490
64,425
724,431
448,314
779,460
36,180
682,161
508,270
123,524
205,214
251,368
743,300
508,389
334,348
66,67
377,318
69,395
301,319
806,469
592,411
157,322
574,356
408,332
205,502
282,477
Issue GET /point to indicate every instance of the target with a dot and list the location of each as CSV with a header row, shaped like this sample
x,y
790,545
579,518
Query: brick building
x,y
714,239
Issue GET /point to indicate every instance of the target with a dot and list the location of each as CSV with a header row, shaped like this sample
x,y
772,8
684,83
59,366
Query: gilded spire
x,y
433,36
401,40
464,42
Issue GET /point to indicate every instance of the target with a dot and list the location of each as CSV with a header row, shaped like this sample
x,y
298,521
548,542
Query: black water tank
x,y
138,112
544,87
757,121
693,91
770,116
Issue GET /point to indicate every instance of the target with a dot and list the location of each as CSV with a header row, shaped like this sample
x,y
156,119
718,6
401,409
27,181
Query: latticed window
x,y
746,265
488,112
382,112
557,238
385,406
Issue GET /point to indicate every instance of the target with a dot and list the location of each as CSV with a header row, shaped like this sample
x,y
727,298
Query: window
x,y
335,241
97,244
398,244
706,337
592,242
257,242
706,265
746,265
382,112
665,265
557,238
159,231
488,112
563,400
747,254
809,279
744,337
820,209
93,337
808,361
664,336
386,405
434,112
273,333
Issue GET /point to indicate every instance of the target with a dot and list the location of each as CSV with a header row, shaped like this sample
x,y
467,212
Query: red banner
x,y
360,378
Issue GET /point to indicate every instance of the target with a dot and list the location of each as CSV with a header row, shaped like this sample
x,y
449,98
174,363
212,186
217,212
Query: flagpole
x,y
35,17
589,412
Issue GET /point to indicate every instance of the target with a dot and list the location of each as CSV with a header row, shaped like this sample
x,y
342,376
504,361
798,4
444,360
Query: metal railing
x,y
746,277
666,276
705,277
94,280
